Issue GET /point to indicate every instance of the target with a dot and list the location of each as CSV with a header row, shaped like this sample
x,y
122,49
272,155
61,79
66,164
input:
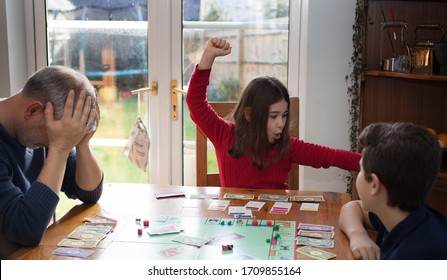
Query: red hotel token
x,y
140,232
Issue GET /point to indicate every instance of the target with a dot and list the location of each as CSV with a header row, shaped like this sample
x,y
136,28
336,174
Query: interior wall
x,y
13,59
4,60
329,48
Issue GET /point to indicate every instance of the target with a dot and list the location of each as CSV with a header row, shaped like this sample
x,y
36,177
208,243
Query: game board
x,y
249,241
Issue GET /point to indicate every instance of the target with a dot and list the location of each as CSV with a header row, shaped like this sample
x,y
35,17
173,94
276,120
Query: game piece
x,y
230,223
269,223
276,227
222,222
140,232
277,236
137,221
145,223
267,240
227,247
255,223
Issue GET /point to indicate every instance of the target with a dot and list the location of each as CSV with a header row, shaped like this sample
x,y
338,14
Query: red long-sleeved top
x,y
241,172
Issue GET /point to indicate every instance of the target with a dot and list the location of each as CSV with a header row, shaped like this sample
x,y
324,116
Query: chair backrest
x,y
223,109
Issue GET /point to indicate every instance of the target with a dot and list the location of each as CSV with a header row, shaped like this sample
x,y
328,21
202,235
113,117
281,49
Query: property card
x,y
233,210
189,240
246,214
171,252
238,196
307,198
168,194
73,252
204,196
315,227
255,205
164,229
219,205
315,253
281,207
273,197
305,206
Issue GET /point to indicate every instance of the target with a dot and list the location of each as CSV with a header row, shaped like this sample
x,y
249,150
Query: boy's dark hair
x,y
405,157
251,136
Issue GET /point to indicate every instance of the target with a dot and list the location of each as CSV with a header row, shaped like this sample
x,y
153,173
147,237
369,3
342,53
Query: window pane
x,y
259,34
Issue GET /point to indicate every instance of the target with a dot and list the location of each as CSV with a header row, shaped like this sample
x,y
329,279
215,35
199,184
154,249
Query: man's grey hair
x,y
52,84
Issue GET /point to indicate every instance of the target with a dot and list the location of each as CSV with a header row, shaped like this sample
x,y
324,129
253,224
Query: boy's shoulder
x,y
420,236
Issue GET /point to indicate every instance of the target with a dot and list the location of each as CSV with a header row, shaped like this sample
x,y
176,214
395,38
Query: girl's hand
x,y
214,48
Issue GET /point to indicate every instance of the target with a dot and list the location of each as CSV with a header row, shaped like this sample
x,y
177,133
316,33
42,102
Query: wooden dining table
x,y
125,202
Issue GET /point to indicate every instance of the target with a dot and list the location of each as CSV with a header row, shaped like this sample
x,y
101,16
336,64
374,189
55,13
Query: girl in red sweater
x,y
255,150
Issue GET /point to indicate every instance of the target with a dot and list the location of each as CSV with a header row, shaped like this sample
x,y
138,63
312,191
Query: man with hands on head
x,y
45,131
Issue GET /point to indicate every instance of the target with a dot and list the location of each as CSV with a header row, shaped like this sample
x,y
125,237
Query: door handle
x,y
175,91
153,89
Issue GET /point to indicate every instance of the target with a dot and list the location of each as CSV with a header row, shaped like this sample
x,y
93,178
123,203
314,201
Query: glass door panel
x,y
108,42
259,34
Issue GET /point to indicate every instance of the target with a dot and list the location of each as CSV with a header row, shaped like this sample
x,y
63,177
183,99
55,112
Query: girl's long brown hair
x,y
250,136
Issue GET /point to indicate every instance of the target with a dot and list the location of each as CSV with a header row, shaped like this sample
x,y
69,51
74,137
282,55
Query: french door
x,y
126,45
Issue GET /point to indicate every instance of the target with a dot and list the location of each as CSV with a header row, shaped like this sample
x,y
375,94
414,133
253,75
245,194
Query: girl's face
x,y
277,120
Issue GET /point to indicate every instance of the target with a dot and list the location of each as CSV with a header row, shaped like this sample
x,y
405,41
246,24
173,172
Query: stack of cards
x,y
88,235
240,212
273,197
238,196
73,252
315,235
168,194
203,196
281,208
307,198
315,253
100,220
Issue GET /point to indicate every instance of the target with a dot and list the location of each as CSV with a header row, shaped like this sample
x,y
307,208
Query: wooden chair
x,y
223,109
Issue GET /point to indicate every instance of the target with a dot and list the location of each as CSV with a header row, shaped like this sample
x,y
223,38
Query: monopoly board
x,y
263,240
